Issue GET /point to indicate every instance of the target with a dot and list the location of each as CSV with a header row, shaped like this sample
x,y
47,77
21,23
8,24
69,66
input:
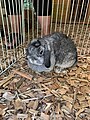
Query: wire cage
x,y
71,17
28,95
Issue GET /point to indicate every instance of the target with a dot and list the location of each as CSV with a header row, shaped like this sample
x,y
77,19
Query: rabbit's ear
x,y
47,61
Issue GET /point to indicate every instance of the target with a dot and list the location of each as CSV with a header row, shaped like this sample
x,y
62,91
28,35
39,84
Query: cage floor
x,y
27,95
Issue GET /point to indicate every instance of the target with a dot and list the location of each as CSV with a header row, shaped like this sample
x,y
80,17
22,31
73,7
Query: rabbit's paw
x,y
60,70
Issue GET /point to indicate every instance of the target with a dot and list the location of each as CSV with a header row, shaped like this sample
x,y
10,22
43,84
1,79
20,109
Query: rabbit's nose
x,y
41,52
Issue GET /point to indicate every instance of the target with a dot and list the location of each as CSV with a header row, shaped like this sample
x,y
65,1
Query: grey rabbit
x,y
52,52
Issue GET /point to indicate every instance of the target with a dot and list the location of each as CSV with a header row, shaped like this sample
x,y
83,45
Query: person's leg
x,y
44,14
13,8
15,23
45,24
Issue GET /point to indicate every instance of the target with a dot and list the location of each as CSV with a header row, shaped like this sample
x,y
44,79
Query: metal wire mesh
x,y
71,17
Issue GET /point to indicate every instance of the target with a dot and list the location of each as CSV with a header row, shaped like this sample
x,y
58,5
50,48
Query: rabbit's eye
x,y
36,43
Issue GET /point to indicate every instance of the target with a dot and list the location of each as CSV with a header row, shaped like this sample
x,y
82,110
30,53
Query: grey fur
x,y
55,51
